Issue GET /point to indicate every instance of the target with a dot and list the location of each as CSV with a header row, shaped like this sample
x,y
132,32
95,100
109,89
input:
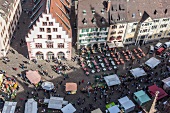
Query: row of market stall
x,y
125,105
31,106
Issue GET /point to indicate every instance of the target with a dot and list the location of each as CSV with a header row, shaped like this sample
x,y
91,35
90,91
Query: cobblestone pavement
x,y
74,75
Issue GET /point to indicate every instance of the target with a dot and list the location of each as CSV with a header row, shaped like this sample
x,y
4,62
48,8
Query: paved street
x,y
76,75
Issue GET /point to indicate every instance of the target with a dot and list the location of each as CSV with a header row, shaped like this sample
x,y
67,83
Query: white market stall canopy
x,y
55,103
112,80
152,62
47,85
69,108
137,72
114,109
166,83
97,111
9,107
31,106
127,104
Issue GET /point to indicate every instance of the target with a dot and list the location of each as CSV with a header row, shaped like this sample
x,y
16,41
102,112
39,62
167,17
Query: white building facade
x,y
48,40
89,37
9,15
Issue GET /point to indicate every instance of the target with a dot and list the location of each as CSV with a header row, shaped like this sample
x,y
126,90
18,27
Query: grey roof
x,y
102,19
5,6
138,7
121,11
118,11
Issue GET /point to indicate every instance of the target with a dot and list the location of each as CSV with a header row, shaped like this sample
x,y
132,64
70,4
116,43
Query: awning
x,y
31,106
112,80
71,87
47,85
111,45
119,44
97,111
137,72
154,88
152,62
33,76
69,108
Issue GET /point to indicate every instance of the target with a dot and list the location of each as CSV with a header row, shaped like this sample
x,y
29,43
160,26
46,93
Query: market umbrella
x,y
47,85
71,87
33,76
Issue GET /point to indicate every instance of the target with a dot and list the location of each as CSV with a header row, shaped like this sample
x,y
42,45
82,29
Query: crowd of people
x,y
91,99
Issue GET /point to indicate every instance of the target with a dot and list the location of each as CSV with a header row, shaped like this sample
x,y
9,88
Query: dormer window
x,y
93,11
102,11
94,20
102,20
84,21
133,15
84,12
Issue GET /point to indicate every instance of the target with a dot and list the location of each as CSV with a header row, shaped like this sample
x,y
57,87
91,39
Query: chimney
x,y
108,5
48,6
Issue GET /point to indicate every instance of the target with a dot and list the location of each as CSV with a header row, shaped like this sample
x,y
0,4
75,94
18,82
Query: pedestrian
x,y
79,82
61,82
82,81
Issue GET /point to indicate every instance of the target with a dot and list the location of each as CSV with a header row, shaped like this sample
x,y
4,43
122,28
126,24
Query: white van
x,y
166,45
158,45
151,49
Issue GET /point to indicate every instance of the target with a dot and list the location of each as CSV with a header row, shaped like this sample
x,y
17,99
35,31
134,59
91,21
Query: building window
x,y
163,25
38,45
58,36
156,20
94,29
120,32
48,30
93,11
54,29
50,23
103,29
44,23
49,45
84,12
113,32
49,37
114,27
135,23
154,27
39,36
133,30
166,19
121,26
60,45
47,18
41,29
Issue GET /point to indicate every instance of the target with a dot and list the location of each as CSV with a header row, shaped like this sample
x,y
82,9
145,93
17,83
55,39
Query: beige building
x,y
128,21
10,11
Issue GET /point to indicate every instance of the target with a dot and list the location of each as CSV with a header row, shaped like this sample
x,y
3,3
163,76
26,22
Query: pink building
x,y
50,36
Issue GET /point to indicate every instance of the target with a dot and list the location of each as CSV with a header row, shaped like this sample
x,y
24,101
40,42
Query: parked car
x,y
166,45
151,49
160,50
158,45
